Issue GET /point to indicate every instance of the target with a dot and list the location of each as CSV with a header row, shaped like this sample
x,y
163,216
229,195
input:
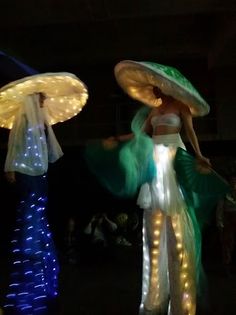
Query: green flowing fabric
x,y
124,168
201,280
203,186
202,191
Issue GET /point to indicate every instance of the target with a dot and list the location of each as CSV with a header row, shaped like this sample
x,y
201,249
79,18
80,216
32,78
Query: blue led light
x,y
34,277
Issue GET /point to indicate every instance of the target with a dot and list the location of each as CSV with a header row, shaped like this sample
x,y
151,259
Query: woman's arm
x,y
190,132
147,128
220,214
112,141
125,137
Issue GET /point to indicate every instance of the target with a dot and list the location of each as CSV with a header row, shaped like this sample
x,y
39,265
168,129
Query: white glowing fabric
x,y
169,273
66,96
32,142
160,186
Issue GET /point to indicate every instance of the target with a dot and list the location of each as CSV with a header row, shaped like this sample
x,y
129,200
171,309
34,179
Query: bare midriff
x,y
165,130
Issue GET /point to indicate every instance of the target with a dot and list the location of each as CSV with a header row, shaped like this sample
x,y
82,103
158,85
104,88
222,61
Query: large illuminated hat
x,y
138,78
65,94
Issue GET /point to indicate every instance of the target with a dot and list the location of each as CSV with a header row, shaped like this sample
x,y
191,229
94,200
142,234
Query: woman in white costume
x,y
144,161
170,256
169,249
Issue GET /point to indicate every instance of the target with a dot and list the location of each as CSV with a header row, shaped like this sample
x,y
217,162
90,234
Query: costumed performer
x,y
146,161
28,107
171,232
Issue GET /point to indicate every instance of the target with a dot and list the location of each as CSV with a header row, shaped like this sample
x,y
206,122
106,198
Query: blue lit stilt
x,y
33,280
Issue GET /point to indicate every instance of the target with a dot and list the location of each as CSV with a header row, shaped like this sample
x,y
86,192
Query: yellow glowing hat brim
x,y
65,94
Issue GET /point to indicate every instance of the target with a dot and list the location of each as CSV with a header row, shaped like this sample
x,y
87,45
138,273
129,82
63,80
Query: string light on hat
x,y
66,95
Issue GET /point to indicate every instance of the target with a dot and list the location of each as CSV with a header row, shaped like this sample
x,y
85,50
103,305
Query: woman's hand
x,y
203,165
203,160
125,137
10,177
110,143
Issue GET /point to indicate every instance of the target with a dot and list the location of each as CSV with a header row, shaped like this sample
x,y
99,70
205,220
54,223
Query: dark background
x,y
87,38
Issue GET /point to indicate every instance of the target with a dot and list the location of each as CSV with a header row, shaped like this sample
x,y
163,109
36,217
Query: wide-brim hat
x,y
137,79
65,95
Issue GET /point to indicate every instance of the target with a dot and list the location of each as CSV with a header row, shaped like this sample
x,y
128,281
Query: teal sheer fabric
x,y
125,167
203,187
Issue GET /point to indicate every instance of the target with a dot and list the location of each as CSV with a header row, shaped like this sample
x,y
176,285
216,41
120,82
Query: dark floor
x,y
107,282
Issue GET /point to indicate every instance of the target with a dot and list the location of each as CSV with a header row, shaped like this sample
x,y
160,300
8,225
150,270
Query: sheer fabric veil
x,y
32,142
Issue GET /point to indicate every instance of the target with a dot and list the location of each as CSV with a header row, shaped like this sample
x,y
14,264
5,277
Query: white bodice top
x,y
170,119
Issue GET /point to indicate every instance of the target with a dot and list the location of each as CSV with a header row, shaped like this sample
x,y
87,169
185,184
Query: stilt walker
x,y
28,107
